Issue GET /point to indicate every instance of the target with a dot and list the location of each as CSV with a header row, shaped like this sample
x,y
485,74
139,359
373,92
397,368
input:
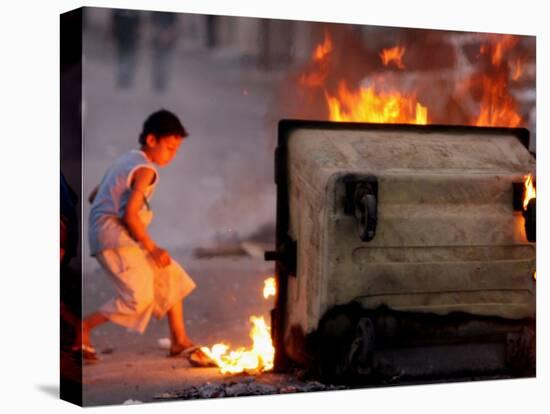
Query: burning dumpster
x,y
404,250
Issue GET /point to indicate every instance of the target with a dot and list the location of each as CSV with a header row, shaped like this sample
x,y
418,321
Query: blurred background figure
x,y
126,26
211,31
164,37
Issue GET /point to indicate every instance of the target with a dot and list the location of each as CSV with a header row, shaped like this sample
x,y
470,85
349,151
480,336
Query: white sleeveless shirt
x,y
105,227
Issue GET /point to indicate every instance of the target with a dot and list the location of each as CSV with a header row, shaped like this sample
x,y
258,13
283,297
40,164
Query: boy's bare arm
x,y
92,195
142,178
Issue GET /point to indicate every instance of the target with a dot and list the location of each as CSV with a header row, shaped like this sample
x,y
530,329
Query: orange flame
x,y
259,358
317,76
517,69
269,287
530,191
394,54
501,47
323,49
498,108
367,105
313,78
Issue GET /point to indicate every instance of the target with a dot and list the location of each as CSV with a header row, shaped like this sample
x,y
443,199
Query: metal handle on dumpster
x,y
285,255
366,211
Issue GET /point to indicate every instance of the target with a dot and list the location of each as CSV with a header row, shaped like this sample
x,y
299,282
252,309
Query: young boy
x,y
147,280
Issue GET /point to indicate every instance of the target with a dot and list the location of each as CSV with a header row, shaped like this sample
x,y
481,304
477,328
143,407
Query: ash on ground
x,y
246,385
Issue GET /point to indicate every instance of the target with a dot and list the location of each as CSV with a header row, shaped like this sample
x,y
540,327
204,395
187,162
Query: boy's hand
x,y
160,256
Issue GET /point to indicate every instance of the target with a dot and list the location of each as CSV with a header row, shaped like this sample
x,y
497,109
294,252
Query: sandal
x,y
179,349
197,358
88,352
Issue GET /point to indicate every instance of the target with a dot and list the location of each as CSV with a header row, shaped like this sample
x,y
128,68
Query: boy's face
x,y
162,150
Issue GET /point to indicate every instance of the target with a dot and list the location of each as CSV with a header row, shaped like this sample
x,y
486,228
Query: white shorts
x,y
142,288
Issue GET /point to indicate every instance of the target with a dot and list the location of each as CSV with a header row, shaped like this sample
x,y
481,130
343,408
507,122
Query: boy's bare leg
x,y
180,340
89,323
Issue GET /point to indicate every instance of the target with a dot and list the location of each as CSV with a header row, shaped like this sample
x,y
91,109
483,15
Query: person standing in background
x,y
126,25
164,39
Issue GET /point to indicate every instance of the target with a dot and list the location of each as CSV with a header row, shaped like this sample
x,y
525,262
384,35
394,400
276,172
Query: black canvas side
x,y
71,201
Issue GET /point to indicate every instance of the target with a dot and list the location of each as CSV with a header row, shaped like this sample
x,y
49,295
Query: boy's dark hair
x,y
162,123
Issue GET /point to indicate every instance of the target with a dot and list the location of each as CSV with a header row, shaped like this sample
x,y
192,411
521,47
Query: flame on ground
x,y
395,55
259,358
530,191
269,287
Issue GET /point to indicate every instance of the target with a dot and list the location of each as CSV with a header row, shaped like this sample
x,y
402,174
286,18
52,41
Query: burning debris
x,y
259,358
